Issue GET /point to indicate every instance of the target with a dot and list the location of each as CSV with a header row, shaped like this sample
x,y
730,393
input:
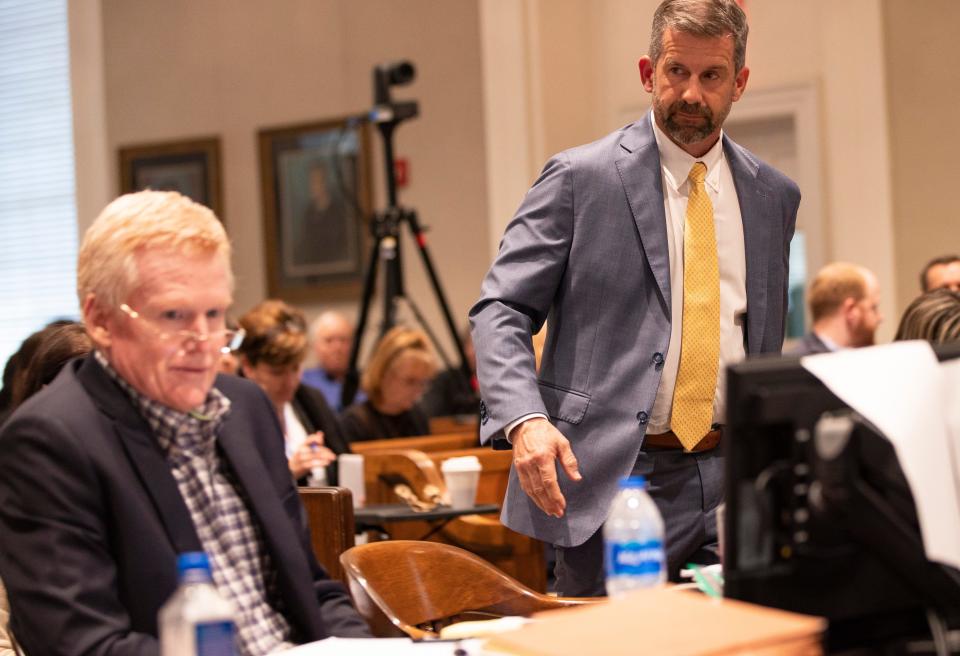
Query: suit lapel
x,y
144,453
639,170
756,206
238,444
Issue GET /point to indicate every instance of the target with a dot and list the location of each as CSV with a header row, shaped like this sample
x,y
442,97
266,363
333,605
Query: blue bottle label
x,y
215,639
634,558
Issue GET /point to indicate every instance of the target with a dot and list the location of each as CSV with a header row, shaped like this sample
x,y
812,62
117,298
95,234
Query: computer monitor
x,y
819,517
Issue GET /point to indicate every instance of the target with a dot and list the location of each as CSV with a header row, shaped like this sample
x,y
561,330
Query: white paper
x,y
383,647
903,390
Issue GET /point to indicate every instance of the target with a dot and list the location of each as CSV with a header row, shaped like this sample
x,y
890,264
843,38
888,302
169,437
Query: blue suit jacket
x,y
91,518
588,248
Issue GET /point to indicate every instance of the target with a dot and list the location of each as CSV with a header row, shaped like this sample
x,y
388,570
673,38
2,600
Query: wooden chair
x,y
405,587
518,555
330,518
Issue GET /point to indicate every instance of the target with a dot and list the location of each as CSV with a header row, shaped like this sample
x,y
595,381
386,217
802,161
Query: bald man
x,y
844,301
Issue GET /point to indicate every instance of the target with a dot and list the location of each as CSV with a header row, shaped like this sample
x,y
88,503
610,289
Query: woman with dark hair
x,y
57,345
934,316
272,355
394,379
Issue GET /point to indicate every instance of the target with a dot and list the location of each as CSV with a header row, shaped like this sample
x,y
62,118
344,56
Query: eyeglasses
x,y
168,329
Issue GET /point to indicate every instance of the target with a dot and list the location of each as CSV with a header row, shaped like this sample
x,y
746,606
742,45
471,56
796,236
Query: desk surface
x,y
399,512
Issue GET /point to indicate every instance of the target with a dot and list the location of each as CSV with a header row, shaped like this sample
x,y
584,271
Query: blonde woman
x,y
396,377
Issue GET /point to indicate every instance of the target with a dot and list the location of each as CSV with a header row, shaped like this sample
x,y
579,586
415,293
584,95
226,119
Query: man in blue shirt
x,y
332,339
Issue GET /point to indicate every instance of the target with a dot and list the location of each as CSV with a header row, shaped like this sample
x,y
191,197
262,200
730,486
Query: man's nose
x,y
692,91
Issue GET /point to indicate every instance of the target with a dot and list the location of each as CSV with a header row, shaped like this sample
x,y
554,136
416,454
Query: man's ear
x,y
97,321
646,72
740,83
851,311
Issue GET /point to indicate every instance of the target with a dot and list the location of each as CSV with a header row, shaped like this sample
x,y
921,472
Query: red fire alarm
x,y
401,170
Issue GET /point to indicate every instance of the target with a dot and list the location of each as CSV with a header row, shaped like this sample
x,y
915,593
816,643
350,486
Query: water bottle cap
x,y
192,560
632,482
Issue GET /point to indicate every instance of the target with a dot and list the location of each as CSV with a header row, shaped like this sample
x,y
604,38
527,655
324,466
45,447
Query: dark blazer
x,y
450,394
588,246
362,422
809,345
91,519
313,411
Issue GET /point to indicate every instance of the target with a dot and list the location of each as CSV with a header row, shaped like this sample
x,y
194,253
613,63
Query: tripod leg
x,y
421,241
352,381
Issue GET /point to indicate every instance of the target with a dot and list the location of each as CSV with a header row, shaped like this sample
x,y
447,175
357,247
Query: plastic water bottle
x,y
196,620
633,540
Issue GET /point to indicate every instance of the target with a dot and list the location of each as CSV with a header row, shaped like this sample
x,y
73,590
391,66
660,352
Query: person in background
x,y
16,365
58,344
271,354
51,348
450,393
395,378
332,338
844,301
141,451
934,316
660,255
943,271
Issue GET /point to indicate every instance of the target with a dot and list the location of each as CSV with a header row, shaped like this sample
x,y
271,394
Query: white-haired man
x,y
332,338
141,451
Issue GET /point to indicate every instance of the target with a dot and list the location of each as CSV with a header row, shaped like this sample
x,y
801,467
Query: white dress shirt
x,y
675,165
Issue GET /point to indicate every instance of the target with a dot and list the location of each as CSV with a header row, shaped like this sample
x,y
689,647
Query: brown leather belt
x,y
669,440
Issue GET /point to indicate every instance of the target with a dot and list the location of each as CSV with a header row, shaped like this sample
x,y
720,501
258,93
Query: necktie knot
x,y
698,173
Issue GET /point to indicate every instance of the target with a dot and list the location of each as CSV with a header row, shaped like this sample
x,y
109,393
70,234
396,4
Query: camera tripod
x,y
386,228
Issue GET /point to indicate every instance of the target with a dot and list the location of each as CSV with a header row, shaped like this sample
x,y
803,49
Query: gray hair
x,y
701,18
934,316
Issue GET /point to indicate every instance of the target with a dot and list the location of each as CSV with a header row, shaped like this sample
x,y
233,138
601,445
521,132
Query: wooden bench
x,y
454,424
426,443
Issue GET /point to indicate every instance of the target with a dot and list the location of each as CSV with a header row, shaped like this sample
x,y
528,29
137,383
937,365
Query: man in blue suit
x,y
637,282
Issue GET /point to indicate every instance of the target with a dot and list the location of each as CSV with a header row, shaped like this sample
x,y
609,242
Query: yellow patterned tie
x,y
700,338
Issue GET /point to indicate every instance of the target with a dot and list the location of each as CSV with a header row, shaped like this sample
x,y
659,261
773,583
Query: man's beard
x,y
688,134
862,336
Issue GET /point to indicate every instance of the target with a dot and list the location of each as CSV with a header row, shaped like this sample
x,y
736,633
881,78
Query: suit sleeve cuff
x,y
508,429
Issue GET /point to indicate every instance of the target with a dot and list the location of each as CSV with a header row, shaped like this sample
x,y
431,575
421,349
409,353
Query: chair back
x,y
420,587
330,518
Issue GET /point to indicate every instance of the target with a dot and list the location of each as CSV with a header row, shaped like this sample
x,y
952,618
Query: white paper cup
x,y
350,475
461,476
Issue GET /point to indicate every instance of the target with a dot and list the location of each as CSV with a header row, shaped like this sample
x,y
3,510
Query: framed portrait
x,y
316,197
191,167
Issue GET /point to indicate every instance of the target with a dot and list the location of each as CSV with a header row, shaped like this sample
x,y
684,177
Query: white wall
x,y
502,85
186,68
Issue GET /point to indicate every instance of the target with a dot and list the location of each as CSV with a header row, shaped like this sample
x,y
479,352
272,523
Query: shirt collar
x,y
169,425
676,162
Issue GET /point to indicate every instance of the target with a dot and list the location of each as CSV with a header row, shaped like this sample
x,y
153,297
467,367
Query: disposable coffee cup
x,y
461,476
350,475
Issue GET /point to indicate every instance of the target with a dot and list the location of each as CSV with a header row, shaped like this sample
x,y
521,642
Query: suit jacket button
x,y
658,360
642,417
483,413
